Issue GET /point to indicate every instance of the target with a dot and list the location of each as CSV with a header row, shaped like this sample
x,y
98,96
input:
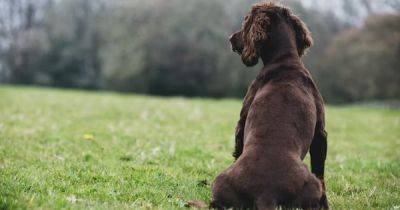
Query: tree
x,y
363,64
19,37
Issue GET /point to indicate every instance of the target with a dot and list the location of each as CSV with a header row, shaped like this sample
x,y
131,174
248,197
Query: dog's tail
x,y
196,204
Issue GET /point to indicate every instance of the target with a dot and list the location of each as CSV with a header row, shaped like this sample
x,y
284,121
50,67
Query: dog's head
x,y
257,27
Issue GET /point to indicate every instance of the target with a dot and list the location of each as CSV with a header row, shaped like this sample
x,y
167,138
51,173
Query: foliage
x,y
363,64
64,149
176,47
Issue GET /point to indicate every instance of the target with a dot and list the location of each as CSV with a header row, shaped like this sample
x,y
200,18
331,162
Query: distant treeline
x,y
180,47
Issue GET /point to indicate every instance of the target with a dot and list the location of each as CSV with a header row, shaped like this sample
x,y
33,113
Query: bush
x,y
363,63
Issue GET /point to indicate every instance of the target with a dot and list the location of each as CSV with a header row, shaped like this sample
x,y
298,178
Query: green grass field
x,y
62,149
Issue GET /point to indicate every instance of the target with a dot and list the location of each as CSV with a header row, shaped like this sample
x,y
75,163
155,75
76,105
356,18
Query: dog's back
x,y
283,113
279,129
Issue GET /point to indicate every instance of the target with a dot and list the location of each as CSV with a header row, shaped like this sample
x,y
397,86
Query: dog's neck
x,y
281,45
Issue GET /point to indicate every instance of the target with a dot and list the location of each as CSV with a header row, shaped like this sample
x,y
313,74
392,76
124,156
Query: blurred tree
x,y
178,47
173,48
52,44
363,64
17,20
72,59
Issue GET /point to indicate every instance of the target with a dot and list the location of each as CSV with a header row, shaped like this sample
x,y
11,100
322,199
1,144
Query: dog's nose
x,y
230,37
231,42
233,48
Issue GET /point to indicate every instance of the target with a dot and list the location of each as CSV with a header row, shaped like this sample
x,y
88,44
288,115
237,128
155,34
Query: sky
x,y
356,18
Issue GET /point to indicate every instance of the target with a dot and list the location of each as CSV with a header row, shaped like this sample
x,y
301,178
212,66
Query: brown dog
x,y
281,120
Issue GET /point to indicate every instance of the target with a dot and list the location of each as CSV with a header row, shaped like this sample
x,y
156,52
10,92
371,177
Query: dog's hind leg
x,y
318,150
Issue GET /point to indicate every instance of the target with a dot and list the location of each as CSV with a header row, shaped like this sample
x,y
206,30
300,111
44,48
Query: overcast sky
x,y
337,7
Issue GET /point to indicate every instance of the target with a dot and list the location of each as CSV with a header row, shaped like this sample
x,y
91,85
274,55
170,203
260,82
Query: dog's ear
x,y
254,34
303,35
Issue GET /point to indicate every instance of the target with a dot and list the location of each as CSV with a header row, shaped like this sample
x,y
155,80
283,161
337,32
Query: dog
x,y
282,119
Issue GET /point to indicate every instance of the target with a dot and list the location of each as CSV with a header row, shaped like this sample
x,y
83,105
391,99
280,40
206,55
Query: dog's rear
x,y
224,195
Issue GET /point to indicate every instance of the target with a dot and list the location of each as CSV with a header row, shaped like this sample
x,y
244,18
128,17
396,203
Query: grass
x,y
62,149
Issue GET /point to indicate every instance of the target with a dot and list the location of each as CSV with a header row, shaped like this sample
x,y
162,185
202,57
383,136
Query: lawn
x,y
64,149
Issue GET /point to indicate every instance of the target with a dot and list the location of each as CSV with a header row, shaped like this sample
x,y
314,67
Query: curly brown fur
x,y
303,35
282,118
